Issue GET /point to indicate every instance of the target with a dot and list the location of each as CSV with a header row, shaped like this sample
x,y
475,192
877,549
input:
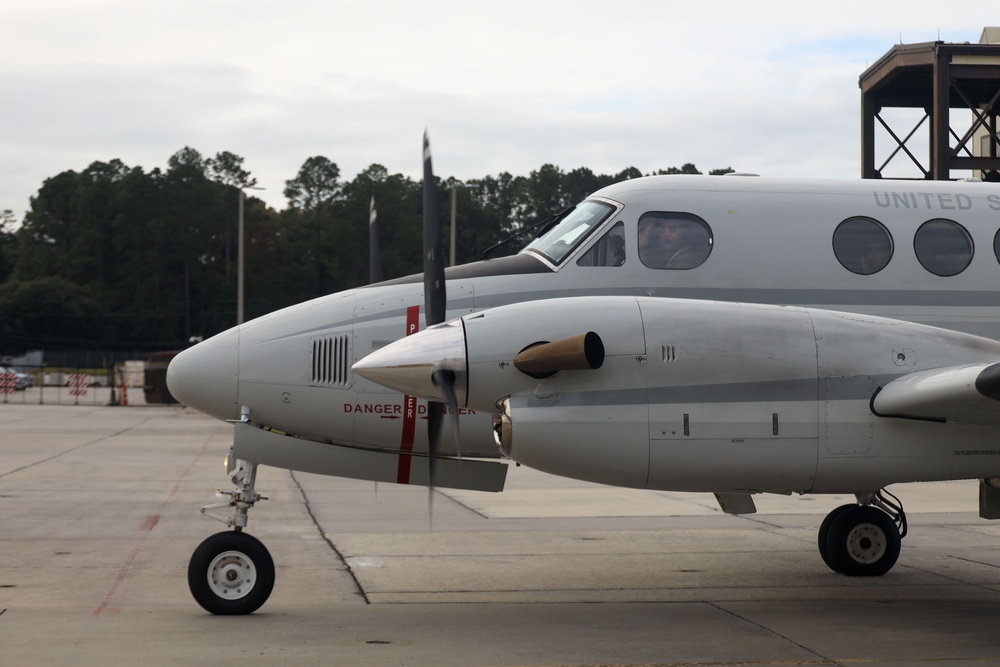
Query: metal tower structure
x,y
938,78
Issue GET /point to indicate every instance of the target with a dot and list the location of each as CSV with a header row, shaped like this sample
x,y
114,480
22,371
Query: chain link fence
x,y
125,383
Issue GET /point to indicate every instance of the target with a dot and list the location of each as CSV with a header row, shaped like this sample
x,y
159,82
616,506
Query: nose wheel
x,y
231,573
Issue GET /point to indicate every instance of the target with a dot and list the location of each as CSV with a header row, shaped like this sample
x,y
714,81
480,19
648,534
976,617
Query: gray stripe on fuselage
x,y
839,389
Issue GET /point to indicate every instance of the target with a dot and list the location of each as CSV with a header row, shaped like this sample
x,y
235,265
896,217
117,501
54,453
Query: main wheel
x,y
863,542
231,573
824,534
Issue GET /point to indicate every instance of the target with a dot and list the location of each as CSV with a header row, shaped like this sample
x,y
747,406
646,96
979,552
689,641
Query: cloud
x,y
507,86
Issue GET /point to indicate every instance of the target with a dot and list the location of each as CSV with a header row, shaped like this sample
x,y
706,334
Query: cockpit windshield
x,y
560,241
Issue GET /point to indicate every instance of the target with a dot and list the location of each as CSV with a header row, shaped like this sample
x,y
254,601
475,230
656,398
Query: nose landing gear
x,y
231,572
863,540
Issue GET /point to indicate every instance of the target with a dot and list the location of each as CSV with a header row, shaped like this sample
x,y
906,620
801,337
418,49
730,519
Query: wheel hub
x,y
232,575
866,543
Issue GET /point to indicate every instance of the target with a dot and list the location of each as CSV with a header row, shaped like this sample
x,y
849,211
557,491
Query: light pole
x,y
454,188
239,255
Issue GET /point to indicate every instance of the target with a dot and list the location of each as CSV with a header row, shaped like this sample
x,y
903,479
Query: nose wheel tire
x,y
231,573
862,542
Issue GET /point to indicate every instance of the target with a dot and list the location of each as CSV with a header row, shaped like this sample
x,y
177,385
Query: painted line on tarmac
x,y
73,449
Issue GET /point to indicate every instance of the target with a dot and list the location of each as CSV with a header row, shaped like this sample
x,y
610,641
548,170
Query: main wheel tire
x,y
231,573
863,542
824,534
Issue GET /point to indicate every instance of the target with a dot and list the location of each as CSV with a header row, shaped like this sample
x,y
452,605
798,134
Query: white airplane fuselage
x,y
772,242
734,335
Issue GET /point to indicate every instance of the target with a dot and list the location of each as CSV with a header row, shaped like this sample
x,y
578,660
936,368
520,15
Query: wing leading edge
x,y
968,393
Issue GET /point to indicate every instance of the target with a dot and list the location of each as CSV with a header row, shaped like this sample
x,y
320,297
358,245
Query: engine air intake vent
x,y
331,361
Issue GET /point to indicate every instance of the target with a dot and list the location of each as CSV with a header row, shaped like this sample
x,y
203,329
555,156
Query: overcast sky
x,y
768,87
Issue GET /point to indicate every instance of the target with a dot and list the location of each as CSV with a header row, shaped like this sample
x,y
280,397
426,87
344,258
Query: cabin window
x,y
608,251
862,245
943,247
996,245
673,240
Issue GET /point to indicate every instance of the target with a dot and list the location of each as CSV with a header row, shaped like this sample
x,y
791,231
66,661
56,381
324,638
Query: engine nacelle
x,y
705,396
679,396
734,398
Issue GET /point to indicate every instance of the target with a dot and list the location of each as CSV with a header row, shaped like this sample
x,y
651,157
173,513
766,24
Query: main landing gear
x,y
863,540
232,572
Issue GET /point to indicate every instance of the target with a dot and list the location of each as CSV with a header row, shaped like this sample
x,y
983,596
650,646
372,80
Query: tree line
x,y
117,258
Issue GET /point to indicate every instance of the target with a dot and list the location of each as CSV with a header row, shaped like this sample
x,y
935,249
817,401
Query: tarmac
x,y
99,516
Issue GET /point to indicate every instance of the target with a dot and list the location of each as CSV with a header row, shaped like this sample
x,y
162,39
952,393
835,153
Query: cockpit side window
x,y
608,251
557,243
670,240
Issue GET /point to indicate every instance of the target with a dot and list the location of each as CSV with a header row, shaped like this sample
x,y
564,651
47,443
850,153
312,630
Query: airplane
x,y
809,337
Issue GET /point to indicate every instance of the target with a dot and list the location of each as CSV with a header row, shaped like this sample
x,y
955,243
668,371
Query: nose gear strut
x,y
241,499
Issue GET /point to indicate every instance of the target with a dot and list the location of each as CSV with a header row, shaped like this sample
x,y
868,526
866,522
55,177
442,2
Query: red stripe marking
x,y
149,523
406,446
409,409
105,606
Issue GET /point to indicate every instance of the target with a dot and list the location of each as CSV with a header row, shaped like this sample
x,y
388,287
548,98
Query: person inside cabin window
x,y
877,253
671,243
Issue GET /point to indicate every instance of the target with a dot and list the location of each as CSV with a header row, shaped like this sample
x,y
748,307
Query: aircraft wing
x,y
968,393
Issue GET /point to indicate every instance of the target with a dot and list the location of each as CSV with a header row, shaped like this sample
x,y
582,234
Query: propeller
x,y
435,300
434,289
374,253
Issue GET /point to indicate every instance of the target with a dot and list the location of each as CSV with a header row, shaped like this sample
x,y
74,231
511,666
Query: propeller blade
x,y
374,253
434,288
435,419
435,299
445,380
